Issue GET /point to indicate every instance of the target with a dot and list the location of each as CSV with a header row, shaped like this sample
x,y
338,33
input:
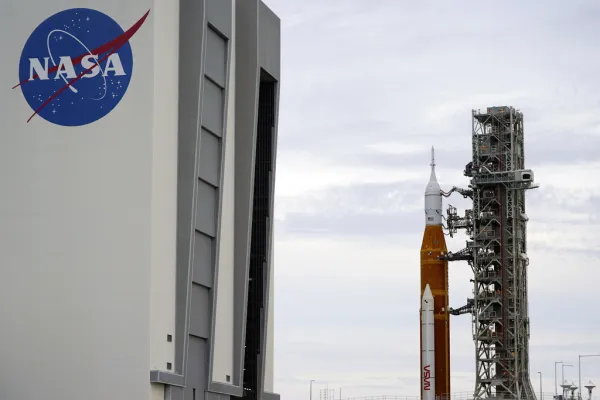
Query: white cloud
x,y
571,178
398,148
303,174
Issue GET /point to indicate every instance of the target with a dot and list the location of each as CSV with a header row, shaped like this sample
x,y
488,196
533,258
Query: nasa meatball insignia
x,y
76,66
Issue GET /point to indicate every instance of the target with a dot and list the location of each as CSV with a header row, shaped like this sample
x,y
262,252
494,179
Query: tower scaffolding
x,y
499,244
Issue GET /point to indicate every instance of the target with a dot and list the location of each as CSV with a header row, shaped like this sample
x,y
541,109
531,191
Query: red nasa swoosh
x,y
110,47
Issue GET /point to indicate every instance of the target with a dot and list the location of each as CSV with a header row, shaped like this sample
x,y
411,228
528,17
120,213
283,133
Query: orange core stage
x,y
434,272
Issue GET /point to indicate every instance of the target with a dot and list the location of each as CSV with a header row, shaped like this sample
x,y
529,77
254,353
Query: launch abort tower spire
x,y
499,244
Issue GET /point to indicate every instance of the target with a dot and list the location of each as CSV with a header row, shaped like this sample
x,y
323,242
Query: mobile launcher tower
x,y
497,253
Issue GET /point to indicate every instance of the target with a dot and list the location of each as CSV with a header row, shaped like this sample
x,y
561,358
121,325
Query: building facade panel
x,y
203,260
216,61
191,71
213,106
210,158
219,15
206,208
200,316
164,187
150,240
77,215
222,357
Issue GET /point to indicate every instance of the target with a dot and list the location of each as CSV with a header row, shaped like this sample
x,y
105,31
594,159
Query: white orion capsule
x,y
433,198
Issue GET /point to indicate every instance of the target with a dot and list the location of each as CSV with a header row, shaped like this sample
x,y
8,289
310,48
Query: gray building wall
x,y
205,52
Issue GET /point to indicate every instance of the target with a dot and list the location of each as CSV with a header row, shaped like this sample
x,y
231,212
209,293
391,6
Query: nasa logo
x,y
76,66
426,378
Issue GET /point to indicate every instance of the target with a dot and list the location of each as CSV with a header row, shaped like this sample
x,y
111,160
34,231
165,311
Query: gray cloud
x,y
360,224
382,94
397,209
369,209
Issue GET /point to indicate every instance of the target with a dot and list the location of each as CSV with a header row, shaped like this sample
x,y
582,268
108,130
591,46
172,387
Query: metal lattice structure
x,y
497,226
500,319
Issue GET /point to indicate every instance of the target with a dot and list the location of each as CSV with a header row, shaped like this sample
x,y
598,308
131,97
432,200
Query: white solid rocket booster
x,y
428,346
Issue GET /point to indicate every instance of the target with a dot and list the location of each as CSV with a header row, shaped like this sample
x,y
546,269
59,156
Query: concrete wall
x,y
81,207
223,363
164,187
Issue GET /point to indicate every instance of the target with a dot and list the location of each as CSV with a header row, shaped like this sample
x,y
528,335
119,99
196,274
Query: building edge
x,y
252,33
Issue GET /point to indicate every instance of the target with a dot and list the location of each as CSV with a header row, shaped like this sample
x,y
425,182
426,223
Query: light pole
x,y
541,398
579,368
555,389
311,381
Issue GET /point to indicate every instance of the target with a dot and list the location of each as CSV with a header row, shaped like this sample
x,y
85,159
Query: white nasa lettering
x,y
36,66
114,64
90,61
67,70
65,67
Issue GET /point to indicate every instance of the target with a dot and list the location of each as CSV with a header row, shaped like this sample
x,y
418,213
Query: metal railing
x,y
455,396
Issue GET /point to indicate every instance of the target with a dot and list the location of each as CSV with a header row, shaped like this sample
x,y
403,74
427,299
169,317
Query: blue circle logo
x,y
76,66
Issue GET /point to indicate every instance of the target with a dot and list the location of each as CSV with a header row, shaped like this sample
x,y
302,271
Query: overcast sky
x,y
367,87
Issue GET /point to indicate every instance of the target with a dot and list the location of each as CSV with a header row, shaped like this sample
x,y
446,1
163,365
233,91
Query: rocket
x,y
435,322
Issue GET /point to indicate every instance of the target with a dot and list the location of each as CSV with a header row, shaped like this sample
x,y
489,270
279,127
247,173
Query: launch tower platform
x,y
497,253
